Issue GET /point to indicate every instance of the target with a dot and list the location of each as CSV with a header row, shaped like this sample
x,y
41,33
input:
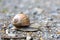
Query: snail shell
x,y
21,20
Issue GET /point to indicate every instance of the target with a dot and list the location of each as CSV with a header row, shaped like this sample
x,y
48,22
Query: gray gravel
x,y
44,15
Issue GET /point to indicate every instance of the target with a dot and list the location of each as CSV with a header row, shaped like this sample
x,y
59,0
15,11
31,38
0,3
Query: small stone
x,y
4,26
13,28
10,26
57,36
41,38
28,37
39,10
58,32
58,10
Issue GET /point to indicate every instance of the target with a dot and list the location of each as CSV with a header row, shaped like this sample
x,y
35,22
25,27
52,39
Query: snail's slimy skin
x,y
21,20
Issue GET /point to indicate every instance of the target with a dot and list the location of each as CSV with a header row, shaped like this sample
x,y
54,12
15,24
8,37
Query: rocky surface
x,y
44,15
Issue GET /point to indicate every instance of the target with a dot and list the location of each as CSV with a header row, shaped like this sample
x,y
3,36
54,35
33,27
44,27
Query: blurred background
x,y
41,13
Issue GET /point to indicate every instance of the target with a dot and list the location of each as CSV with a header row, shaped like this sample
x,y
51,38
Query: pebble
x,y
56,36
41,38
10,26
28,37
39,10
58,32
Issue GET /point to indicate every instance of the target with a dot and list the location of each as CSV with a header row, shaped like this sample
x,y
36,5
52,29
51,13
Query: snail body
x,y
21,20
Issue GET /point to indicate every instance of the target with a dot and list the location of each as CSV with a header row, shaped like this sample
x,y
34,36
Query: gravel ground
x,y
44,15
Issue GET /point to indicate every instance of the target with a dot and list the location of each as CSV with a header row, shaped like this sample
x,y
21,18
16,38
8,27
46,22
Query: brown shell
x,y
21,20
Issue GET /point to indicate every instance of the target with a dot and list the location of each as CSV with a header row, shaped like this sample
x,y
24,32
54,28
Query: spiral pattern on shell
x,y
21,20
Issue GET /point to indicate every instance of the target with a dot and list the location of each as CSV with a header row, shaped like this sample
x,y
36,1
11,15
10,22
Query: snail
x,y
21,20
